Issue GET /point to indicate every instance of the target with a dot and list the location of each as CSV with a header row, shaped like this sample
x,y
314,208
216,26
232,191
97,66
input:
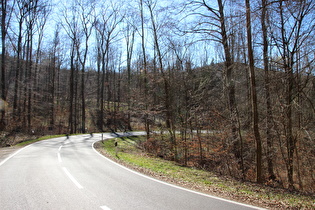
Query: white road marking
x,y
105,208
59,158
72,178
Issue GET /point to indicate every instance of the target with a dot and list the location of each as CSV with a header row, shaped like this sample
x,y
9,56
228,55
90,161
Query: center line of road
x,y
59,158
72,178
105,208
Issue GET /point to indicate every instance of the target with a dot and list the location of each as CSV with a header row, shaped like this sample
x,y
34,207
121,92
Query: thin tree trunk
x,y
3,67
254,95
16,106
146,117
28,76
83,101
229,69
76,95
230,85
71,93
167,101
288,65
269,117
129,45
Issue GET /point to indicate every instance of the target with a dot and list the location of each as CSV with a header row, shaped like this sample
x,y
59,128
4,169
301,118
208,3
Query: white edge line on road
x,y
8,158
72,178
105,208
175,186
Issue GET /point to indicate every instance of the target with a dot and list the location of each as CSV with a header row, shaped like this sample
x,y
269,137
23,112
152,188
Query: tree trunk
x,y
146,117
269,117
255,123
28,75
71,93
83,100
3,67
18,72
229,69
129,48
230,90
287,57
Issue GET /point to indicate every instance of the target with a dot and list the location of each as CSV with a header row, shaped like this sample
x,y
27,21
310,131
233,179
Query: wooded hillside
x,y
229,86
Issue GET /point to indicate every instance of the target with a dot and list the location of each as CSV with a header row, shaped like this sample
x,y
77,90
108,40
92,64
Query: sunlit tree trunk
x,y
167,92
255,118
130,39
269,117
145,68
87,23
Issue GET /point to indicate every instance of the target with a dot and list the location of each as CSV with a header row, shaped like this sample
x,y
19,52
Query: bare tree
x,y
70,24
5,20
107,31
44,11
20,13
292,32
167,100
214,26
130,33
87,23
54,81
145,67
269,116
253,94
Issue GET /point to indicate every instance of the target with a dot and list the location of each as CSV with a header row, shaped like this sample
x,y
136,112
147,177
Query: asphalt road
x,y
66,173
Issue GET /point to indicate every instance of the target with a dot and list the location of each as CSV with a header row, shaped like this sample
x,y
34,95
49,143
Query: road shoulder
x,y
7,151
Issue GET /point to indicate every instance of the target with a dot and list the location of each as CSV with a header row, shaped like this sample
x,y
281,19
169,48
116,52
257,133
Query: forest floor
x,y
206,182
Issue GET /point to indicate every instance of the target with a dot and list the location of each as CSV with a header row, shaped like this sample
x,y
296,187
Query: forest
x,y
223,85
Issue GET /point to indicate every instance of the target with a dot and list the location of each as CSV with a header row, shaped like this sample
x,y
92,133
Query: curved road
x,y
66,173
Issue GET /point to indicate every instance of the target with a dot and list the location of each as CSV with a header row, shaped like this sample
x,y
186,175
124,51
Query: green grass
x,y
129,153
27,142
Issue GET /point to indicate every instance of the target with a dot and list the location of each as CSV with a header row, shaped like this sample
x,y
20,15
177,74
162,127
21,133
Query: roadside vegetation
x,y
130,153
27,142
20,140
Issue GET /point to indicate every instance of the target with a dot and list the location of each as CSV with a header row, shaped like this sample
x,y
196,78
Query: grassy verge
x,y
130,155
27,142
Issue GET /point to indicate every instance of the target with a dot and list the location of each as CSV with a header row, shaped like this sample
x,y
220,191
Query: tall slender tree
x,y
169,118
269,116
130,40
145,68
70,24
293,30
107,30
4,31
87,23
254,102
